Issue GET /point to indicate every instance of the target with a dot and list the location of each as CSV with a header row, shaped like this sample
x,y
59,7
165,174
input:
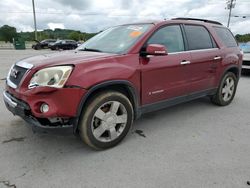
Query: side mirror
x,y
156,49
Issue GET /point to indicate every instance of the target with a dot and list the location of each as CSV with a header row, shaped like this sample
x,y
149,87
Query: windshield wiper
x,y
90,50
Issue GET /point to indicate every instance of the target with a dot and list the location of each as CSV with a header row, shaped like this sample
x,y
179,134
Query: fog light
x,y
44,108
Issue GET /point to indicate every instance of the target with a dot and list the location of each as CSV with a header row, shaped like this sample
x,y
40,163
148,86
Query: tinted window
x,y
170,36
226,36
198,37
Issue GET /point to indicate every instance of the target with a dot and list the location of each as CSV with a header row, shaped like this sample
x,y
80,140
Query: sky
x,y
96,15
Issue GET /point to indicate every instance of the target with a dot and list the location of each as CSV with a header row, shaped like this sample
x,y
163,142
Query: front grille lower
x,y
246,63
16,74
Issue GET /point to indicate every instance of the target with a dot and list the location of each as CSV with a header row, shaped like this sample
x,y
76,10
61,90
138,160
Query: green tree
x,y
243,38
7,33
75,35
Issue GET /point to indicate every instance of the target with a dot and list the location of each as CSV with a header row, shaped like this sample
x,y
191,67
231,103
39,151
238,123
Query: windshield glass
x,y
59,41
245,47
116,39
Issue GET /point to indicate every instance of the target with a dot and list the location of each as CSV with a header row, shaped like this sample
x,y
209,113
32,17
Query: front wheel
x,y
226,91
106,120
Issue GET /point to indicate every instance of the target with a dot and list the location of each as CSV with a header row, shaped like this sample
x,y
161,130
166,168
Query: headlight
x,y
51,77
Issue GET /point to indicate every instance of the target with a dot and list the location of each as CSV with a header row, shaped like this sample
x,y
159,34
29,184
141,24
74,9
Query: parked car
x,y
51,43
43,44
64,45
246,57
79,43
100,88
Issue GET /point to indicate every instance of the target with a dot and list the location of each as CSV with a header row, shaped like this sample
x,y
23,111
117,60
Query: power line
x,y
76,13
238,16
100,14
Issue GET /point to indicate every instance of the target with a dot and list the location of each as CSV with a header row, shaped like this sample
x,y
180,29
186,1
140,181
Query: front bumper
x,y
246,61
41,122
246,64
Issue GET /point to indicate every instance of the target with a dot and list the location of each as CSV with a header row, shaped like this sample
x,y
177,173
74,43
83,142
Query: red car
x,y
99,89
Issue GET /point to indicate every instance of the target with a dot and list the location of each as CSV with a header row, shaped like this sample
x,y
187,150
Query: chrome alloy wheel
x,y
228,89
109,121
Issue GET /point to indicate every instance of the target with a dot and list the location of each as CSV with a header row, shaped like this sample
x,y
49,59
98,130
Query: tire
x,y
226,91
106,120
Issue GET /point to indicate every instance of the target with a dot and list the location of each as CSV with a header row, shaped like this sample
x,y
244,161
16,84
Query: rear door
x,y
165,77
205,58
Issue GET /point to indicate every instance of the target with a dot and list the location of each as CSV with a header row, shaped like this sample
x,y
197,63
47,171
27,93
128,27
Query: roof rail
x,y
197,19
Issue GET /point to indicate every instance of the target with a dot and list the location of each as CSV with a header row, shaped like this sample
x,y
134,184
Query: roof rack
x,y
197,19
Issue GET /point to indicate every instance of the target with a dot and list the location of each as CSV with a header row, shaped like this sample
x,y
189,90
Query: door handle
x,y
217,57
185,62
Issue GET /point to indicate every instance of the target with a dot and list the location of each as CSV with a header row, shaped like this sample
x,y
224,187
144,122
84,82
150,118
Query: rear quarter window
x,y
226,36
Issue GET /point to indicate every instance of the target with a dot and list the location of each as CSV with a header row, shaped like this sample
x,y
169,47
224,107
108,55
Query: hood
x,y
246,57
65,58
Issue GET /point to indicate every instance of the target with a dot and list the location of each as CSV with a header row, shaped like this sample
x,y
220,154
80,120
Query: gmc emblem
x,y
14,73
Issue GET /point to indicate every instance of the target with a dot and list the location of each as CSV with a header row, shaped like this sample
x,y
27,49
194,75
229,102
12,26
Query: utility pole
x,y
34,15
230,5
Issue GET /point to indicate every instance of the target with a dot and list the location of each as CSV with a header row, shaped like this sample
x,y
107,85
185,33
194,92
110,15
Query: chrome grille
x,y
16,73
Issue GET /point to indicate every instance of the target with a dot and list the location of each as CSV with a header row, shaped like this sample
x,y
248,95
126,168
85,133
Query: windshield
x,y
245,47
59,41
116,39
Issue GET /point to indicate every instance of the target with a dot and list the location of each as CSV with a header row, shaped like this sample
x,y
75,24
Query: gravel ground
x,y
192,145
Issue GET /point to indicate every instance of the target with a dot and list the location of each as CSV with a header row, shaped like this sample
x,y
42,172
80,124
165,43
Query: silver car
x,y
246,56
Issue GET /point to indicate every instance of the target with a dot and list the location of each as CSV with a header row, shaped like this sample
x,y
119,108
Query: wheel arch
x,y
234,69
122,86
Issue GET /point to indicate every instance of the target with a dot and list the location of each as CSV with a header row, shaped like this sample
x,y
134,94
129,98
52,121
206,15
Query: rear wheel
x,y
226,90
38,47
106,120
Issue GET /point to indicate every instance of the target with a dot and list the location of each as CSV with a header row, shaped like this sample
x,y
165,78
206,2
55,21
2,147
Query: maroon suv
x,y
123,72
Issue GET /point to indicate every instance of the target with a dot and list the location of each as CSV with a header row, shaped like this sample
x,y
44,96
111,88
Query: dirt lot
x,y
191,145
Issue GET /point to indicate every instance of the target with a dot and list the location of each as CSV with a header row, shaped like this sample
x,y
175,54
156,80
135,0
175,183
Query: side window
x,y
169,36
226,36
198,37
